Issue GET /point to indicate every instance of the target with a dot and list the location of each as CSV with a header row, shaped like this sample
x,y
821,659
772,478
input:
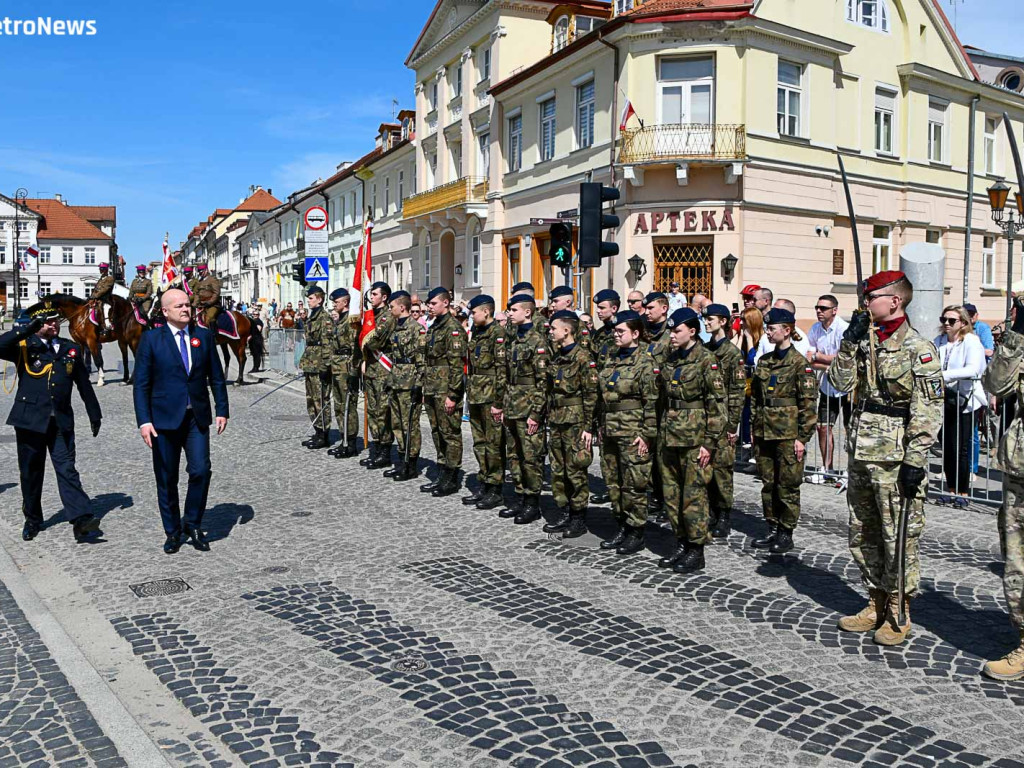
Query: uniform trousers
x,y
781,474
686,492
525,456
488,444
720,488
569,481
378,409
447,430
627,476
402,410
318,399
32,450
1011,537
339,391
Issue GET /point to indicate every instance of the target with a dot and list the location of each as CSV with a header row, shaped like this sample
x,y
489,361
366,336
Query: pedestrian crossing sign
x,y
316,268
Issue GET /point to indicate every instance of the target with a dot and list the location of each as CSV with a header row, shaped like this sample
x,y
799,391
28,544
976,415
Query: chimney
x,y
58,198
270,191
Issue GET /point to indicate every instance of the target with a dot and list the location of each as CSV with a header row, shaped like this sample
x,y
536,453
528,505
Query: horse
x,y
78,314
238,346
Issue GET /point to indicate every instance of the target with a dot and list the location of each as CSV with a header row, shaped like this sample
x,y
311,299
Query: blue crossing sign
x,y
316,268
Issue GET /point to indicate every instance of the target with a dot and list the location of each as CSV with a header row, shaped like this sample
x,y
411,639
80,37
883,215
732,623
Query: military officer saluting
x,y
345,360
48,366
443,360
405,385
141,291
485,393
315,363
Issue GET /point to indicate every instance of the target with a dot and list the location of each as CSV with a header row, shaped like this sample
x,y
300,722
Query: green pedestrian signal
x,y
561,245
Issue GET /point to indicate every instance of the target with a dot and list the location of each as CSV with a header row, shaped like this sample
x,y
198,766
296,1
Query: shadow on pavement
x,y
99,507
7,486
221,519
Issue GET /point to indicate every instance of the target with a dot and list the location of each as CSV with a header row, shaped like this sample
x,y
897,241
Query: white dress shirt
x,y
827,341
177,342
963,362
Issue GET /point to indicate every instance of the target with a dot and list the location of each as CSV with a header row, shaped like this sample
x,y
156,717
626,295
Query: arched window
x,y
561,33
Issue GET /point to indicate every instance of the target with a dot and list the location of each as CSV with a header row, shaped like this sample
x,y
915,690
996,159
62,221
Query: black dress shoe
x,y
476,495
530,513
198,540
383,458
173,544
395,471
438,479
31,530
83,526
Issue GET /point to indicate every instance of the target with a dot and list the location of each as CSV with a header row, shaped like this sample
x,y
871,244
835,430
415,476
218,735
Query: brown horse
x,y
77,312
238,346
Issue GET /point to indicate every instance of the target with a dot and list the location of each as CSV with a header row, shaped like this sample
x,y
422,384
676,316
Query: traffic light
x,y
561,244
299,273
593,222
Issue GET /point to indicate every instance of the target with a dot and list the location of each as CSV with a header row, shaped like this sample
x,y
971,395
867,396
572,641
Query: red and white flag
x,y
628,112
31,252
361,280
170,271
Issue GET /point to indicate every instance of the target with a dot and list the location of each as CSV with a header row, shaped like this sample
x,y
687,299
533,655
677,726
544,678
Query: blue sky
x,y
174,108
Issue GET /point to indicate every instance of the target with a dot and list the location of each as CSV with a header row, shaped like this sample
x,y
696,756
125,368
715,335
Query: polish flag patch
x,y
714,366
593,364
540,350
500,340
455,333
926,358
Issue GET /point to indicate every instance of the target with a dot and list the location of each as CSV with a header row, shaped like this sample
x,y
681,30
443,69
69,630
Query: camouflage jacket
x,y
345,347
208,290
406,353
571,387
377,342
693,398
487,371
659,347
316,357
1004,378
734,374
526,356
103,288
629,396
443,359
896,417
140,289
602,344
784,398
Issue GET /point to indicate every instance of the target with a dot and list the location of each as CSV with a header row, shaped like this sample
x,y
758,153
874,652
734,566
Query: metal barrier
x,y
284,348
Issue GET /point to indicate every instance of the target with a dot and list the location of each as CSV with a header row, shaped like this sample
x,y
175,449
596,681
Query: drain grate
x,y
302,513
290,417
160,587
409,664
277,569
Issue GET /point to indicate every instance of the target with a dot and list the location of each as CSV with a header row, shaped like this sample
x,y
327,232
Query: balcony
x,y
448,200
654,144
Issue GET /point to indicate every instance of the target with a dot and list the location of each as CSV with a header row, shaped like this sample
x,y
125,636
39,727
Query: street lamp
x,y
729,268
19,200
637,265
998,194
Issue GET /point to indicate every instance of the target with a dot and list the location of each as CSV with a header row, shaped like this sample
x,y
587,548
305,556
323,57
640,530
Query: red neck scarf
x,y
889,327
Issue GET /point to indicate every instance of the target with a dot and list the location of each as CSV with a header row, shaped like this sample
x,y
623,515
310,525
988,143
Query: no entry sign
x,y
316,218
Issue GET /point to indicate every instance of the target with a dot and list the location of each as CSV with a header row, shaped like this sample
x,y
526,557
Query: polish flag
x,y
170,271
628,112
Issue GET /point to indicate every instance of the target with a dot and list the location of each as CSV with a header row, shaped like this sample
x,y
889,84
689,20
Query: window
x,y
44,255
515,143
387,195
433,95
547,129
873,14
68,289
23,226
431,170
585,24
485,64
401,188
341,211
1012,80
90,255
936,130
988,261
483,142
66,255
427,254
23,290
512,252
355,209
3,254
789,96
882,249
685,88
398,275
44,288
373,201
384,272
561,34
474,259
991,131
621,6
885,115
933,236
458,81
456,159
585,115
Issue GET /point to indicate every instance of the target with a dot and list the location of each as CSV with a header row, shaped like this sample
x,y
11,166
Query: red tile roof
x,y
96,212
260,200
62,222
669,8
956,40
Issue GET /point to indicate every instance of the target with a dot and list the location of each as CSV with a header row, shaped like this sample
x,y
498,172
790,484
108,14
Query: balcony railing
x,y
468,189
655,143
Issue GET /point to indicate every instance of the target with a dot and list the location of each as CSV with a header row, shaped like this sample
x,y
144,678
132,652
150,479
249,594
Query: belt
x,y
624,405
886,410
568,402
778,402
403,361
685,405
346,351
524,381
473,369
313,343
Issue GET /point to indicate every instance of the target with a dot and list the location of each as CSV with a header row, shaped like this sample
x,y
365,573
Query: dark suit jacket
x,y
162,388
40,397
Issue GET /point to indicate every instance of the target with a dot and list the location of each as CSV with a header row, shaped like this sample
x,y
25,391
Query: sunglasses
x,y
823,308
949,320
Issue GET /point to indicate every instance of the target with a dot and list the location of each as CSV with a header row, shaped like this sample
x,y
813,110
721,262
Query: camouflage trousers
x,y
686,493
401,410
446,429
720,488
781,474
627,477
488,444
1011,538
378,410
525,456
339,391
318,399
874,502
569,481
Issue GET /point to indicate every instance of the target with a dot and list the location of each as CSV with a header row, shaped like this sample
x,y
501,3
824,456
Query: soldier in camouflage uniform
x,y
602,346
628,415
693,398
896,417
784,413
101,294
315,363
443,390
734,374
485,394
375,377
141,291
345,360
405,384
1004,378
571,388
523,412
658,348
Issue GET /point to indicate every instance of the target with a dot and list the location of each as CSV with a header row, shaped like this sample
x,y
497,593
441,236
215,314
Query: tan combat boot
x,y
869,619
891,633
1010,667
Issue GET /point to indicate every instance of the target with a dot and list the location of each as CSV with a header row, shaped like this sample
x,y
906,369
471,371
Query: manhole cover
x,y
290,417
409,664
8,438
160,588
302,513
277,569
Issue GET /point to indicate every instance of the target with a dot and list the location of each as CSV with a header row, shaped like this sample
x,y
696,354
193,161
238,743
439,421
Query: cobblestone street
x,y
344,619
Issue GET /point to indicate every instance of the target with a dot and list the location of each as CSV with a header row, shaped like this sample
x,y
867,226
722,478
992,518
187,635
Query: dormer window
x,y
873,14
623,6
585,24
561,33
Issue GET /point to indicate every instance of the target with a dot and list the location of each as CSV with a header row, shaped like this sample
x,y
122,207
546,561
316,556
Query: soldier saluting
x,y
897,415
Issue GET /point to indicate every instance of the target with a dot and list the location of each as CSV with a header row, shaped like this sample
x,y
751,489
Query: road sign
x,y
316,218
315,248
316,268
544,222
572,213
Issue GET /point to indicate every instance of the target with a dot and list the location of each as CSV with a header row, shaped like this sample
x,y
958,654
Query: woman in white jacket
x,y
963,361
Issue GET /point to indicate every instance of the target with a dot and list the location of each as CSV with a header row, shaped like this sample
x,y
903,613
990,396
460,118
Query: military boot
x,y
560,523
871,616
309,440
428,487
514,509
371,455
614,541
351,448
475,496
383,457
396,471
449,483
632,542
410,470
669,560
1010,667
766,541
601,498
783,541
891,633
576,526
492,498
319,440
692,561
723,524
531,511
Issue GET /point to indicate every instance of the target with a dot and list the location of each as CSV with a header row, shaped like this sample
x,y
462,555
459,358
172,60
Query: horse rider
x,y
208,292
101,294
141,291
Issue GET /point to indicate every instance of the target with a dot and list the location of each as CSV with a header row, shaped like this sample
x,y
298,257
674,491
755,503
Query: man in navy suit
x,y
176,366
